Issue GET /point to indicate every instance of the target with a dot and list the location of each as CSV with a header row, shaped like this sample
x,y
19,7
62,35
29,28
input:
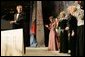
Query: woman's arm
x,y
47,26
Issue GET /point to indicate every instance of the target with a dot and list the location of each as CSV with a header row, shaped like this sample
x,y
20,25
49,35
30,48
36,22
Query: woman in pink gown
x,y
53,36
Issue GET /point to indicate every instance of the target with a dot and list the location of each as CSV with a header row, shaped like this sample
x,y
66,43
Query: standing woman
x,y
63,33
33,42
52,46
57,33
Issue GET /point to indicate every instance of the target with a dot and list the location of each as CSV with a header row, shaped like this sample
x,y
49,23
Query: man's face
x,y
71,9
19,9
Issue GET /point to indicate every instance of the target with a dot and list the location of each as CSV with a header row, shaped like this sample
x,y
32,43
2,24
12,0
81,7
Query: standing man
x,y
19,17
79,14
20,22
72,24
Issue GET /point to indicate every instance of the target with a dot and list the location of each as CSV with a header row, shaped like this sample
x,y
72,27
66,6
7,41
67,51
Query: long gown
x,y
63,36
53,40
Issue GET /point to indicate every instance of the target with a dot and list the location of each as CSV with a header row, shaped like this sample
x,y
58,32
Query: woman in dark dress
x,y
63,33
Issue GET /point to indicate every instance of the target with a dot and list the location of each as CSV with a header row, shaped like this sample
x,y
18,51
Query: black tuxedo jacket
x,y
20,21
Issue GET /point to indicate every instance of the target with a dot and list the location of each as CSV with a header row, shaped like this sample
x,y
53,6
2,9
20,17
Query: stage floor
x,y
42,51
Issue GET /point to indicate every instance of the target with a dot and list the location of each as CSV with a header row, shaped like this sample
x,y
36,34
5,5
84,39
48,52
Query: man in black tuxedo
x,y
21,21
19,18
72,24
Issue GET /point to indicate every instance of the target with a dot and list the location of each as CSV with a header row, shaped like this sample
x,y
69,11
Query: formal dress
x,y
52,46
63,36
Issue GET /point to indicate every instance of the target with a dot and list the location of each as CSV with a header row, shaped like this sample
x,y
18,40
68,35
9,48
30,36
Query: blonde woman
x,y
63,33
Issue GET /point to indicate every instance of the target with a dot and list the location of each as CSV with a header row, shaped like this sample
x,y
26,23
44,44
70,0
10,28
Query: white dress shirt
x,y
17,17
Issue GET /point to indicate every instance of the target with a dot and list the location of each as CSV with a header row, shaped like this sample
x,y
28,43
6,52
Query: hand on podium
x,y
11,22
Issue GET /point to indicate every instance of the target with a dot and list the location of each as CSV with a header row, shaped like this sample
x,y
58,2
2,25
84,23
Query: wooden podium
x,y
12,42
